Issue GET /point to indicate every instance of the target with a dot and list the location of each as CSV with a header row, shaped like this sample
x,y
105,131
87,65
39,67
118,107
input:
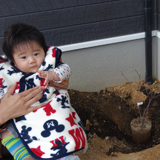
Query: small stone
x,y
107,138
88,122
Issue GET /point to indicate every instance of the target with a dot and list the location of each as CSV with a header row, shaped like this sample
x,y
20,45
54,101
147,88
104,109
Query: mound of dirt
x,y
107,114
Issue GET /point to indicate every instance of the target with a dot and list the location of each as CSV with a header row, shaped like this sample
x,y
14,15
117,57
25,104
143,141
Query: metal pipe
x,y
148,40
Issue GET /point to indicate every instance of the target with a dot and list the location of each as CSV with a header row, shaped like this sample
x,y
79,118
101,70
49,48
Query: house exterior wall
x,y
98,67
67,22
95,68
71,22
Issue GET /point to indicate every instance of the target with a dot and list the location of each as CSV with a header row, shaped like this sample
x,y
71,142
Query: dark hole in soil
x,y
110,116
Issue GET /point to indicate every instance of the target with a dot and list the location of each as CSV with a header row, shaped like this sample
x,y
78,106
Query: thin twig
x,y
124,76
157,96
138,75
150,96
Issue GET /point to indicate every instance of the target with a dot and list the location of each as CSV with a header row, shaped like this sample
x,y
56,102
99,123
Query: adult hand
x,y
63,85
13,106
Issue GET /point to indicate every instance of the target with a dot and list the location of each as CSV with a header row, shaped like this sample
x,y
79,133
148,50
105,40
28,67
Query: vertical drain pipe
x,y
148,40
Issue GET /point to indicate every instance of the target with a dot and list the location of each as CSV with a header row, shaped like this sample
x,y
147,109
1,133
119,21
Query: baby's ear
x,y
13,63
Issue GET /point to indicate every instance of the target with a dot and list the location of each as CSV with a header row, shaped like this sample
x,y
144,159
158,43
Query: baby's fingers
x,y
46,80
42,74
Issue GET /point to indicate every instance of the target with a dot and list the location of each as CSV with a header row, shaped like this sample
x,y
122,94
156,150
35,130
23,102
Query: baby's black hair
x,y
20,33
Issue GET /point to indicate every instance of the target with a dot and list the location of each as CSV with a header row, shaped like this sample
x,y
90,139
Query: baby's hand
x,y
47,75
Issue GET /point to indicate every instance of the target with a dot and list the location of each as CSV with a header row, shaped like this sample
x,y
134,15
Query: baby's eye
x,y
24,57
36,54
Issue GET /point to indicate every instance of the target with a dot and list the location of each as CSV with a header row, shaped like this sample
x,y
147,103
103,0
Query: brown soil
x,y
106,116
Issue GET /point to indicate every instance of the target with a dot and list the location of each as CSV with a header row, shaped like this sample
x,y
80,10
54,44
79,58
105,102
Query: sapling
x,y
138,89
151,96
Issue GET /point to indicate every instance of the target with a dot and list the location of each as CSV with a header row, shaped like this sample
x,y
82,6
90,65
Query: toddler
x,y
31,64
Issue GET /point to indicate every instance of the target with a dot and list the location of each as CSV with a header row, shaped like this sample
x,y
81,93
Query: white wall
x,y
157,57
95,68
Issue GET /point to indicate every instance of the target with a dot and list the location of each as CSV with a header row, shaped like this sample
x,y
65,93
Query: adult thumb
x,y
12,89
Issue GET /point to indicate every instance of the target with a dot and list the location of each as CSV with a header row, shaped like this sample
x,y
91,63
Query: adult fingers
x,y
56,85
11,89
30,93
29,102
30,109
63,85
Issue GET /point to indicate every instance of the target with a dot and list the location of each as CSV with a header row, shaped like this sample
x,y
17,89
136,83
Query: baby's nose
x,y
32,60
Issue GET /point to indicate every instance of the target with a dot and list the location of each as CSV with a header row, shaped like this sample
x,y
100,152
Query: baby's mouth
x,y
34,66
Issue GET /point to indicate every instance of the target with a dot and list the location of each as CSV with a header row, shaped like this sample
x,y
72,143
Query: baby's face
x,y
28,57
